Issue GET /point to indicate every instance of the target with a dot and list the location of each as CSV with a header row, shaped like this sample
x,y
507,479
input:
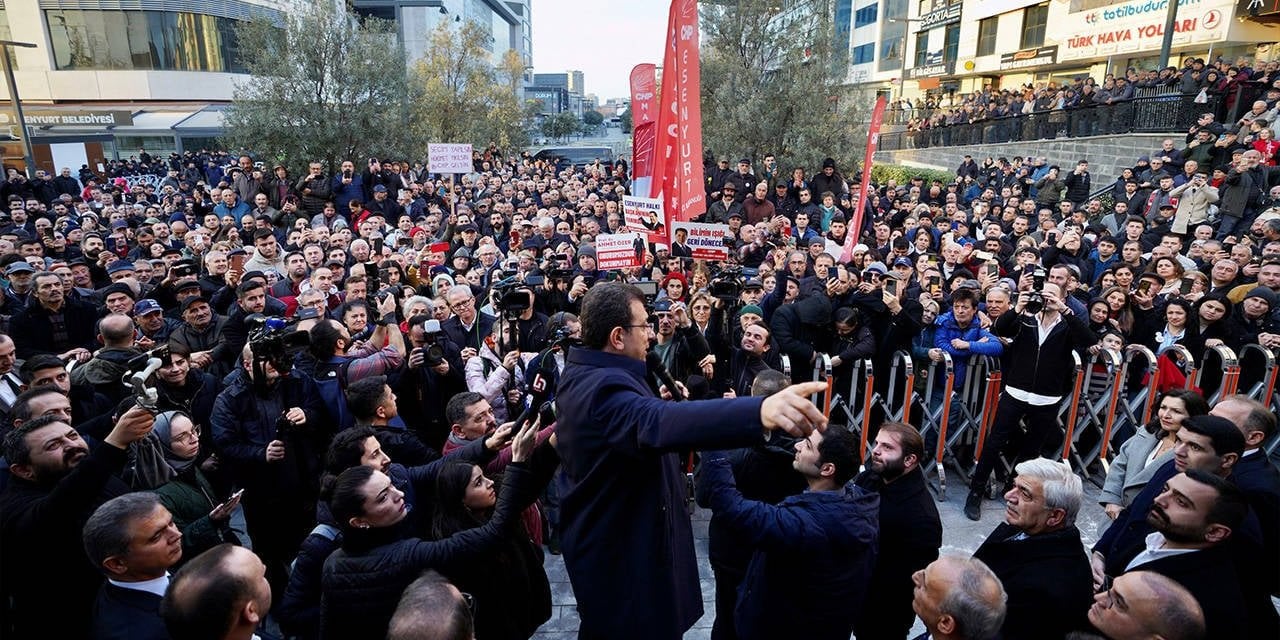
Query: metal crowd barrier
x,y
1259,374
1095,415
822,373
934,421
1222,380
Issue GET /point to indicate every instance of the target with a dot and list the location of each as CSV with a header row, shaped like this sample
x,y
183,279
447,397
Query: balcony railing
x,y
1155,114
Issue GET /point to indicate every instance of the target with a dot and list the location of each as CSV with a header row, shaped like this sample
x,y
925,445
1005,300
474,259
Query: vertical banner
x,y
678,175
859,205
644,127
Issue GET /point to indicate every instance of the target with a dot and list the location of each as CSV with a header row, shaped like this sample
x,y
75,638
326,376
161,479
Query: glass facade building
x,y
154,40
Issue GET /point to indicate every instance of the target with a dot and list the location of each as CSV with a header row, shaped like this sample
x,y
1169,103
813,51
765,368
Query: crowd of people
x,y
364,404
1083,106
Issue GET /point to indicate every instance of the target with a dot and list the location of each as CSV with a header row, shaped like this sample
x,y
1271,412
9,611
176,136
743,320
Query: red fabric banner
x,y
678,176
859,205
644,126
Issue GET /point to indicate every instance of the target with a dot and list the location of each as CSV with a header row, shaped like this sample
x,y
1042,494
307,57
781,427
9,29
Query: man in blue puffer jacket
x,y
813,552
959,335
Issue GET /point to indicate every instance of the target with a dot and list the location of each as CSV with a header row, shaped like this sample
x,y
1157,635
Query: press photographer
x,y
340,359
269,428
1043,332
428,377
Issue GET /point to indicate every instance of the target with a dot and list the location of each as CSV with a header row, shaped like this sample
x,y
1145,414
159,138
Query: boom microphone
x,y
654,362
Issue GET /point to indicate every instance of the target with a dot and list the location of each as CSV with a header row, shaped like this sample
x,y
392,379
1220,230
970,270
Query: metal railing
x,y
1149,114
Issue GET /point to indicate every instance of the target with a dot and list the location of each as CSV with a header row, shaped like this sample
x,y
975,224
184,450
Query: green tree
x,y
592,118
627,122
771,83
327,86
561,125
461,97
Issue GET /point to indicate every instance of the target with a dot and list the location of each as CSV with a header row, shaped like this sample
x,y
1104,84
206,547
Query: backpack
x,y
331,379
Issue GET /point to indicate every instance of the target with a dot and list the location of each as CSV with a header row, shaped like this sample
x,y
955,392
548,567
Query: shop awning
x,y
209,119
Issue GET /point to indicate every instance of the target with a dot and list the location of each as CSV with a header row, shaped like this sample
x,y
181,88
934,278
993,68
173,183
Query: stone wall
x,y
1107,155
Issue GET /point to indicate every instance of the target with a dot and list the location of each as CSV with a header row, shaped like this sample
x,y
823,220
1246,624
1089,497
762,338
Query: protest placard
x,y
449,158
645,217
706,241
620,251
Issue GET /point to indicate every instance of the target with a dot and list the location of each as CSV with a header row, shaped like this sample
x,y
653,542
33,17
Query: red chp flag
x,y
860,204
678,175
644,126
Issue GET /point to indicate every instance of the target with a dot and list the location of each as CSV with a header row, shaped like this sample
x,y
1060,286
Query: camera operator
x,y
268,428
428,377
1043,332
531,325
683,350
339,356
497,371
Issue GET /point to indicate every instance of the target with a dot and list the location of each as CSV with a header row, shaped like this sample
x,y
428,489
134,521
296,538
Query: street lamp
x,y
28,155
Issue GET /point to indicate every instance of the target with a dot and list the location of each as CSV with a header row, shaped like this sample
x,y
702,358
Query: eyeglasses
x,y
190,437
629,327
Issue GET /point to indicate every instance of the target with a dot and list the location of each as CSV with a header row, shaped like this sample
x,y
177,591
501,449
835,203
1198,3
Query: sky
x,y
604,41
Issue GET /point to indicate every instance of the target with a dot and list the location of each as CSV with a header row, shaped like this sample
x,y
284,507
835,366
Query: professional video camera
x,y
560,267
511,297
274,340
433,352
726,284
1035,298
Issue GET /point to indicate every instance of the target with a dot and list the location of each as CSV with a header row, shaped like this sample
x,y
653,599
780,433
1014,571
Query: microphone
x,y
654,362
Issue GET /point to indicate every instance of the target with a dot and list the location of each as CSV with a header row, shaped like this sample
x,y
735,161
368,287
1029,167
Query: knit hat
x,y
750,308
1264,293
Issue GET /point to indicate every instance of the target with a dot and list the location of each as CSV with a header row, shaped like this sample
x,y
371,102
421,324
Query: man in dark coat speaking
x,y
627,541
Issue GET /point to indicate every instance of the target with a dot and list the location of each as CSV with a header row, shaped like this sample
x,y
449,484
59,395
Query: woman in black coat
x,y
363,580
508,585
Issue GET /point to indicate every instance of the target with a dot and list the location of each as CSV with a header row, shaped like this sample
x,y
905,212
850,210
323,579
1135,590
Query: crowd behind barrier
x,y
332,369
1136,101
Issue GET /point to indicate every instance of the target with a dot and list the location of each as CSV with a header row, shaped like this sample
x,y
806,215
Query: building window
x,y
160,40
922,48
865,16
951,43
1033,24
865,53
891,49
987,35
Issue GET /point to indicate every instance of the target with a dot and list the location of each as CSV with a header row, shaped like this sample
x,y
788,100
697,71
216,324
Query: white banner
x,y
645,217
706,241
449,158
620,251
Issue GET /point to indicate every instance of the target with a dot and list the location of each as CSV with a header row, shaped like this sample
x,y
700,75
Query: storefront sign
x,y
1028,58
1139,26
49,117
932,70
945,15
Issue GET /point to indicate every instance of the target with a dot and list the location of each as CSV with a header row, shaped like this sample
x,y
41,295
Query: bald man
x,y
1143,604
959,598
